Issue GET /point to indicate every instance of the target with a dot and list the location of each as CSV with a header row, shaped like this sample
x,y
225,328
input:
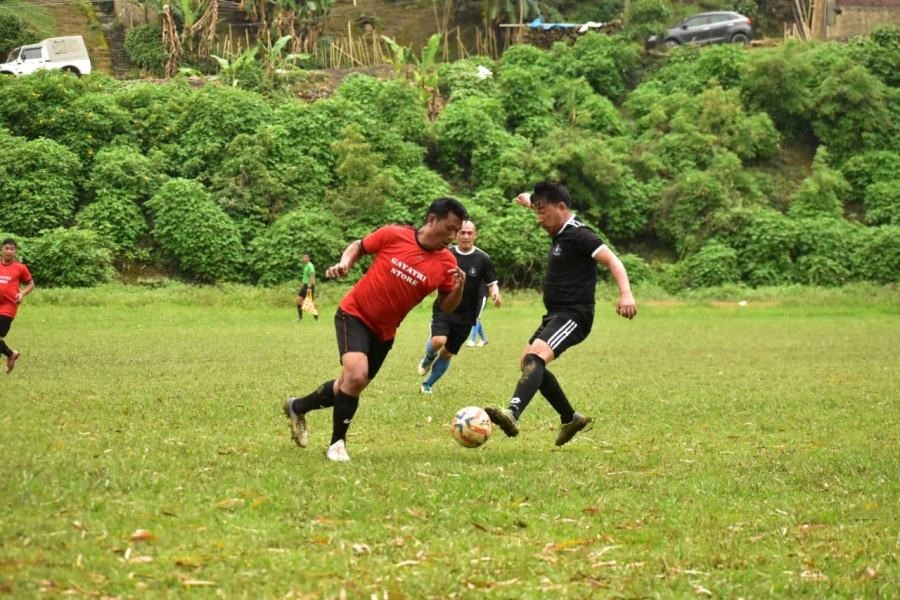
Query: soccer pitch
x,y
738,452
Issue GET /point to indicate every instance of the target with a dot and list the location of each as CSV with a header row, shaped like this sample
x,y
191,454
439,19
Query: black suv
x,y
707,28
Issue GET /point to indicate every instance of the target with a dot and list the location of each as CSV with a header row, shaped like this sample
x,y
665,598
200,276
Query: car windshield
x,y
13,55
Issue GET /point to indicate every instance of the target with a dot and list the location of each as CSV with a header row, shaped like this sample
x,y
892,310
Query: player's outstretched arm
x,y
494,291
626,306
351,254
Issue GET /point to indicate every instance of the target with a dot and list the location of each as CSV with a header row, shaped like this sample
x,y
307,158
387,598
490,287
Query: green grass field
x,y
739,452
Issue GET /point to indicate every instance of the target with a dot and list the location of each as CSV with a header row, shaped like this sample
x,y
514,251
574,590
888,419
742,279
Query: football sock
x,y
473,335
533,368
300,312
438,369
321,398
429,350
345,407
4,349
556,397
480,330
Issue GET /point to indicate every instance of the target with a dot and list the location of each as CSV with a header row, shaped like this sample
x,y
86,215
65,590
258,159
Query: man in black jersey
x,y
569,299
449,331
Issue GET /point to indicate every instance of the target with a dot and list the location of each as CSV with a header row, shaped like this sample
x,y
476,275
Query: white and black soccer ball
x,y
471,426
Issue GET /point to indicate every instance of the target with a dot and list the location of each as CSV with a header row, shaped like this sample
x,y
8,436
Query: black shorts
x,y
355,336
5,324
456,333
561,331
305,288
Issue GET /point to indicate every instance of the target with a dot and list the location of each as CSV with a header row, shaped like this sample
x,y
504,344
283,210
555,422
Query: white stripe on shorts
x,y
557,338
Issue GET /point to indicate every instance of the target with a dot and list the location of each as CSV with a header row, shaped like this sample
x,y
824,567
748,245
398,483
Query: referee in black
x,y
569,286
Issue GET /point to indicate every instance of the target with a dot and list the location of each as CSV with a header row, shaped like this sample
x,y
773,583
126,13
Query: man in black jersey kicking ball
x,y
569,284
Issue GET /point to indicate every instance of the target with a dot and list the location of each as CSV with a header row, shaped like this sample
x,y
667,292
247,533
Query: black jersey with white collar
x,y
571,276
479,273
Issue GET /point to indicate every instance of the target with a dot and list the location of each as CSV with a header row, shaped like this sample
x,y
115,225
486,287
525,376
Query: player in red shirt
x,y
12,275
409,264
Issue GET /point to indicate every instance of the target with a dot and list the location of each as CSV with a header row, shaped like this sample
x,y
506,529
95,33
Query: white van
x,y
66,53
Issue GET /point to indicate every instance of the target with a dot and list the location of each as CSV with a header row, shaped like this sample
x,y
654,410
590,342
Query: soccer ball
x,y
471,426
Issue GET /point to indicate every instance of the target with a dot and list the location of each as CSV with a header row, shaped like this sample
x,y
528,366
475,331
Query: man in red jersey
x,y
409,264
12,275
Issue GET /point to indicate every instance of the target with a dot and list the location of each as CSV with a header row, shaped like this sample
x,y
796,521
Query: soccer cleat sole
x,y
299,432
503,419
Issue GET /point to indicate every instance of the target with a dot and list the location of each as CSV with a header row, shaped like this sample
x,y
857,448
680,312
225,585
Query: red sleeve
x,y
24,274
374,242
449,261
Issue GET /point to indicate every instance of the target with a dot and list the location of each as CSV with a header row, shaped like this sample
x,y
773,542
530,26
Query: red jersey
x,y
402,275
11,276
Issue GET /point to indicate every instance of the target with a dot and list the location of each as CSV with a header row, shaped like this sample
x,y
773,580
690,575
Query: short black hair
x,y
11,242
553,193
444,206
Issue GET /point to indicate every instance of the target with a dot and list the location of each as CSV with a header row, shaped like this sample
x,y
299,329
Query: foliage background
x,y
704,166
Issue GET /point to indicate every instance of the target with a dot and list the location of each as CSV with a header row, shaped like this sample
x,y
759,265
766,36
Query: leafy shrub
x,y
145,48
69,257
118,220
579,106
878,257
517,245
880,53
155,112
606,62
821,193
210,121
263,175
393,104
13,32
275,254
823,247
123,172
315,126
36,184
646,18
715,264
687,208
882,203
780,82
194,232
639,271
524,93
462,127
414,192
89,122
853,112
764,240
460,79
694,70
862,170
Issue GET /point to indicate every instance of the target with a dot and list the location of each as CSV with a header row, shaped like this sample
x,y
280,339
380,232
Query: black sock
x,y
556,397
300,313
4,349
345,407
532,374
323,397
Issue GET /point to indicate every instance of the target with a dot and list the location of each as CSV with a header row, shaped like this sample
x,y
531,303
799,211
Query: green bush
x,y
123,172
862,170
607,63
822,193
213,118
639,271
69,258
88,123
264,175
194,233
145,48
275,254
462,127
14,32
459,79
393,104
878,257
882,201
37,185
687,207
715,264
155,112
824,249
646,18
117,220
780,82
764,240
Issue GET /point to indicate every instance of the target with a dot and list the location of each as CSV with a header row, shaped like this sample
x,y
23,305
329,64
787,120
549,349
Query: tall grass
x,y
740,451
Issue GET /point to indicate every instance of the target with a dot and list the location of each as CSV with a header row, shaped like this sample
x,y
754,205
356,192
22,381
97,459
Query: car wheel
x,y
71,71
671,44
739,38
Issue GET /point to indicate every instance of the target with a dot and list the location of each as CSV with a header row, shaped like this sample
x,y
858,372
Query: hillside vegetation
x,y
680,162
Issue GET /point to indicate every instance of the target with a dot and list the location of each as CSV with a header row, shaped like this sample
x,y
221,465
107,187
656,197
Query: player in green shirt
x,y
308,286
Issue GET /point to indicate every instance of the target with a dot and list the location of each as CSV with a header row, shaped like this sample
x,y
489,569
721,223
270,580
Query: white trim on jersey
x,y
557,338
594,253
